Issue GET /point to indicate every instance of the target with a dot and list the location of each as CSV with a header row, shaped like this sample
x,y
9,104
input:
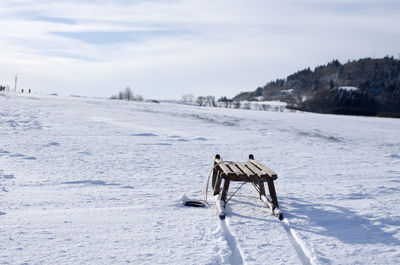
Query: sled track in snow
x,y
235,257
296,243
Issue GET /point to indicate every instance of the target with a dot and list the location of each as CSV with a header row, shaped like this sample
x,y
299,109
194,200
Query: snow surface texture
x,y
95,181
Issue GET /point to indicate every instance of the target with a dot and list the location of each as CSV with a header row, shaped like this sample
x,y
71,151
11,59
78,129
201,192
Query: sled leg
x,y
214,177
220,201
272,193
217,186
262,188
225,189
272,205
214,172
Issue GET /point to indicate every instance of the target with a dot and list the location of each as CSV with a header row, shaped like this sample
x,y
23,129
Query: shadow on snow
x,y
338,222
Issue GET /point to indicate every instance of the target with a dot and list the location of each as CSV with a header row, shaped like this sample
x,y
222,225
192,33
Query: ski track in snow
x,y
99,181
302,252
235,257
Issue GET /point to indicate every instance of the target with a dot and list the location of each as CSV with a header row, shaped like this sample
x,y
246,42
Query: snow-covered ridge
x,y
99,181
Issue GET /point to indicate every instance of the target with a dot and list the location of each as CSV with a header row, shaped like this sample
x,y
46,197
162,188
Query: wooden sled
x,y
250,171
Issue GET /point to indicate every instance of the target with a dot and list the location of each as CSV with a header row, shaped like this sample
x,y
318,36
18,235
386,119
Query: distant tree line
x,y
224,102
206,101
128,95
374,88
200,101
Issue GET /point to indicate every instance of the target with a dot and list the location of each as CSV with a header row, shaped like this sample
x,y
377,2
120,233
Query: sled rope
x,y
208,183
258,190
235,192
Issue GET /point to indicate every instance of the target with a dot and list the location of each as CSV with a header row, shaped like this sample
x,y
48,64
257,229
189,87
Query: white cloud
x,y
163,49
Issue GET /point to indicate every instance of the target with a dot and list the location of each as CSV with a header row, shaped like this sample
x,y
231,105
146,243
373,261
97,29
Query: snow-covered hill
x,y
95,181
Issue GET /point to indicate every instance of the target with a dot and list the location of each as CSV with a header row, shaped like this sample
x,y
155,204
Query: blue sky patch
x,y
98,37
115,37
39,16
357,6
61,20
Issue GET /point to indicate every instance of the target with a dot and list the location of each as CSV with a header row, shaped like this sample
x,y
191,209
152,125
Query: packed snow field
x,y
97,181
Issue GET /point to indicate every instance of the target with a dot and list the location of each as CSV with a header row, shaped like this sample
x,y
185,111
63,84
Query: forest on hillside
x,y
361,87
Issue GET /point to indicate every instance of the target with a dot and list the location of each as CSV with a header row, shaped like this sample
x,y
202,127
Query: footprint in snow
x,y
127,187
157,144
144,134
52,144
84,153
30,158
3,152
97,183
177,138
8,176
161,144
16,155
91,182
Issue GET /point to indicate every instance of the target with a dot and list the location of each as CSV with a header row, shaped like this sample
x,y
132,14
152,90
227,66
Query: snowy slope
x,y
97,181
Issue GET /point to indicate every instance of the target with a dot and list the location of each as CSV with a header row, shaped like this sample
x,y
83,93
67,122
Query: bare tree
x,y
187,99
247,105
201,101
138,97
210,101
128,94
190,98
265,106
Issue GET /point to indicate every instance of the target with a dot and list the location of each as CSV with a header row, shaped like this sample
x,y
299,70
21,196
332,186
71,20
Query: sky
x,y
165,49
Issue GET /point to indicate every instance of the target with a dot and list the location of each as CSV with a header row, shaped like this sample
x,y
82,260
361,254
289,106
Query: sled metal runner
x,y
251,171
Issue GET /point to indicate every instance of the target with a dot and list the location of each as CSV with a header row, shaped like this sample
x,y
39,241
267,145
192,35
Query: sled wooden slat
x,y
269,172
256,171
239,175
245,170
234,169
220,164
